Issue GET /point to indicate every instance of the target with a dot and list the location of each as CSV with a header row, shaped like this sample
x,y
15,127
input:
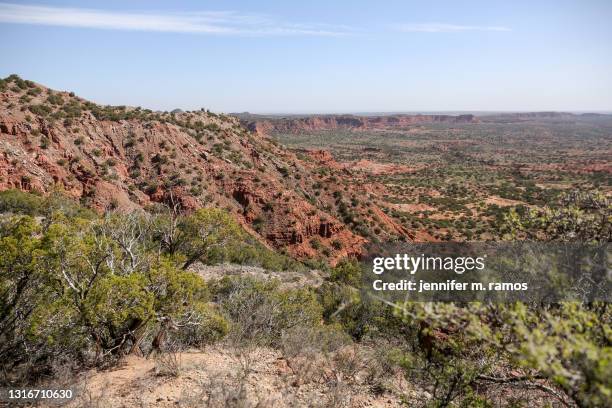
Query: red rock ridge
x,y
129,158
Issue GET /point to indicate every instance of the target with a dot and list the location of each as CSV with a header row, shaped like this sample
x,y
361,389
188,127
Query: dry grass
x,y
168,364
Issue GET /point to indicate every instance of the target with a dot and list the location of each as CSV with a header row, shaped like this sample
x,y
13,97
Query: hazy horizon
x,y
318,58
423,112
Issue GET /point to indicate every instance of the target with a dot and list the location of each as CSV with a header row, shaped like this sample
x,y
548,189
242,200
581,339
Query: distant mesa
x,y
298,124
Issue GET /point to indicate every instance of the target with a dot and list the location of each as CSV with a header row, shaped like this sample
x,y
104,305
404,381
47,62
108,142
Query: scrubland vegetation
x,y
458,182
81,290
93,288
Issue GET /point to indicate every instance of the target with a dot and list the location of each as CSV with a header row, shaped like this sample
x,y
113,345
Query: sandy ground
x,y
502,202
408,207
377,168
287,279
222,377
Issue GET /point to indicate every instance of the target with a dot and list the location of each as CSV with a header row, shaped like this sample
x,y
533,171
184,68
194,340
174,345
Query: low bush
x,y
16,201
347,272
457,349
101,297
260,312
34,204
41,109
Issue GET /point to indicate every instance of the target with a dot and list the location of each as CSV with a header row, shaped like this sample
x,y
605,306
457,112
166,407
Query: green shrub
x,y
16,79
18,202
213,127
459,347
248,251
347,272
199,236
211,327
55,99
283,171
22,283
92,304
315,243
72,109
344,305
41,109
34,91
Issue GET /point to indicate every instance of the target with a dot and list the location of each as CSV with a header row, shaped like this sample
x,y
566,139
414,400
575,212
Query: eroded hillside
x,y
131,158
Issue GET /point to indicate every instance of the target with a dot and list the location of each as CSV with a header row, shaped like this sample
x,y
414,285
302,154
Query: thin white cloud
x,y
445,28
206,22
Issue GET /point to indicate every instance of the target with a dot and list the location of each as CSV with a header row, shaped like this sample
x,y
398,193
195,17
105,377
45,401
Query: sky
x,y
317,56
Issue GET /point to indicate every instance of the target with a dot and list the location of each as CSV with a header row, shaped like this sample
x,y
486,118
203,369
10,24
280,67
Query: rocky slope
x,y
131,158
297,124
